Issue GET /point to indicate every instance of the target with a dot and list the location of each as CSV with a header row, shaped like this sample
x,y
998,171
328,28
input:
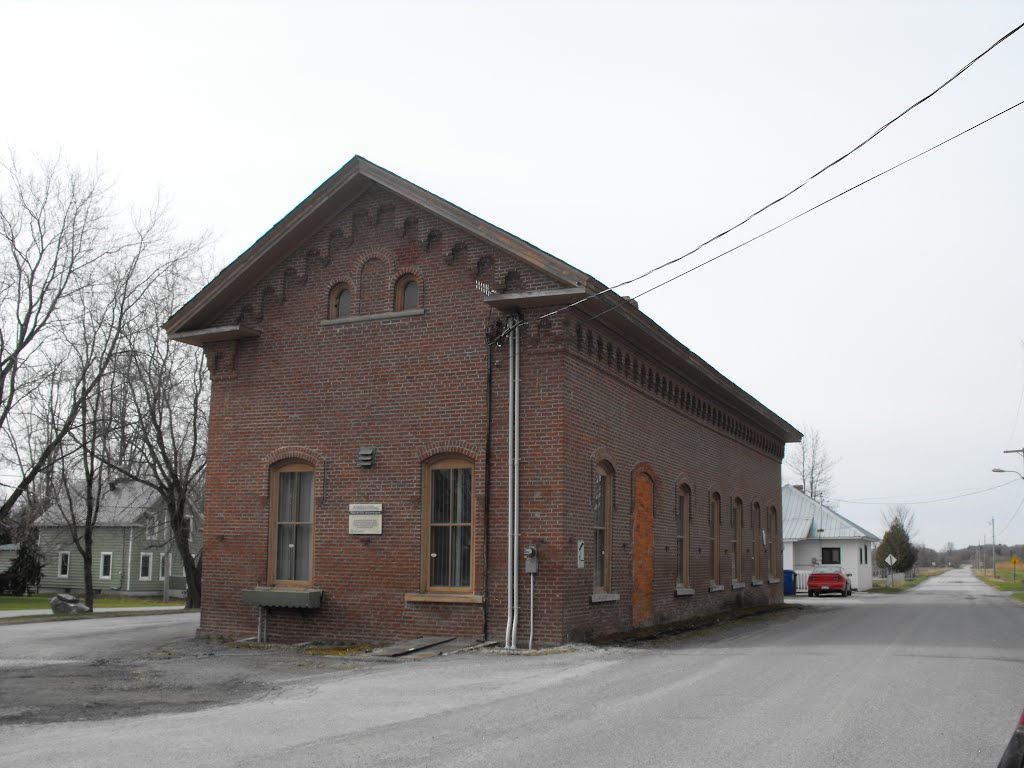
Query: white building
x,y
813,534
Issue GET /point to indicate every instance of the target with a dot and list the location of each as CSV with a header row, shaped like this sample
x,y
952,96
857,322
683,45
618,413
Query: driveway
x,y
929,677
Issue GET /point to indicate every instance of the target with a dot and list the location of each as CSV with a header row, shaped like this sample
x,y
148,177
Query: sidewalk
x,y
48,612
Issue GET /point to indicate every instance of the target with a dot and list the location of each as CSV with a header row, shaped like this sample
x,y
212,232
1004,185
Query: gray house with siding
x,y
131,553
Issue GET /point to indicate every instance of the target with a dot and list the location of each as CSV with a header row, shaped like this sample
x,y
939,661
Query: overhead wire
x,y
1008,522
882,500
868,180
795,189
804,183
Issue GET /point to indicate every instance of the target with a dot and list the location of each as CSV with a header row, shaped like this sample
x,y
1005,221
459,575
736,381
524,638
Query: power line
x,y
882,500
793,218
1012,516
797,188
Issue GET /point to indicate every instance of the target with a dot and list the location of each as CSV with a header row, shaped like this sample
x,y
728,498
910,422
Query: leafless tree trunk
x,y
55,229
168,407
810,463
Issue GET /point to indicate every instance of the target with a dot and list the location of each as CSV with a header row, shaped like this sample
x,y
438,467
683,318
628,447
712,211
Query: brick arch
x,y
308,455
397,275
472,452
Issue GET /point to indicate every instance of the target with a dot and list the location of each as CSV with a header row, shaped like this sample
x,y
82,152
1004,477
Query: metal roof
x,y
805,518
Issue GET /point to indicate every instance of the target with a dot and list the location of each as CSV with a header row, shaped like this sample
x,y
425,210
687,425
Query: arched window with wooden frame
x,y
604,479
773,557
407,293
757,536
448,524
683,502
291,524
737,538
339,302
715,513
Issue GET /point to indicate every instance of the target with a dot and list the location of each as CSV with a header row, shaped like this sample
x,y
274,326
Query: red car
x,y
829,579
1013,757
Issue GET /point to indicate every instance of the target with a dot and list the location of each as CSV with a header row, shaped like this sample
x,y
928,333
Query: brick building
x,y
391,399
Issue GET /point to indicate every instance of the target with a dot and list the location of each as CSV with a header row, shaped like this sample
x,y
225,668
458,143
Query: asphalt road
x,y
933,677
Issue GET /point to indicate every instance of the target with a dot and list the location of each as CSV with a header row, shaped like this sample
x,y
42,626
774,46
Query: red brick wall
x,y
416,386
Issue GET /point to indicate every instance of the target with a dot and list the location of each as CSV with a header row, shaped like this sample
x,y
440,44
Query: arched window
x,y
757,532
340,302
683,536
407,293
737,538
291,524
602,505
715,576
773,524
448,521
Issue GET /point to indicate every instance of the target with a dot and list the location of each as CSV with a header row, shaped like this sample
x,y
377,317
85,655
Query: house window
x,y
146,566
602,505
407,293
830,555
448,519
737,538
715,510
106,564
773,523
166,564
151,527
339,302
187,525
63,565
291,524
756,531
683,536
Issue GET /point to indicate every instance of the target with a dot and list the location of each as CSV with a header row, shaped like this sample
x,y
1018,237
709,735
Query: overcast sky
x,y
617,136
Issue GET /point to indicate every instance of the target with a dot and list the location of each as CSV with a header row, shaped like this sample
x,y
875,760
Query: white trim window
x,y
63,564
188,527
166,565
106,564
146,566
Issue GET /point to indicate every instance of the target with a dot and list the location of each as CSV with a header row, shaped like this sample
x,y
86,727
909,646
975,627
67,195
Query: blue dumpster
x,y
789,583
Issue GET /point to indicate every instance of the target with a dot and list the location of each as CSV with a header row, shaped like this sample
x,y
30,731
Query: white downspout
x,y
515,495
511,502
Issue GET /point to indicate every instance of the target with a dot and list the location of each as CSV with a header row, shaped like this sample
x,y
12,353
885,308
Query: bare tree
x,y
168,406
811,465
56,228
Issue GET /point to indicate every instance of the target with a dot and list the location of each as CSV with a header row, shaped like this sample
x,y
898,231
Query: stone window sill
x,y
716,588
369,318
604,597
738,585
684,591
756,582
441,597
773,581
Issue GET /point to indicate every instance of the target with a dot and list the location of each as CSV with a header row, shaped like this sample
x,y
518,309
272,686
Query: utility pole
x,y
993,546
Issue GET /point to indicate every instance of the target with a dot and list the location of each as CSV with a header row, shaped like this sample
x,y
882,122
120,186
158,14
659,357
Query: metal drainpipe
x,y
511,503
515,548
128,568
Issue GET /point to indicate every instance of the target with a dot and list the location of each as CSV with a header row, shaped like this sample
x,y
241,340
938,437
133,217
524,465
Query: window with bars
x,y
448,511
602,508
291,525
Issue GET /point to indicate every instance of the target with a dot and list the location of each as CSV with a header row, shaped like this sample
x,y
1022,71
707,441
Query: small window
x,y
757,533
715,508
146,566
773,532
151,527
683,536
63,565
187,523
407,293
830,556
602,505
448,520
340,302
291,527
106,564
737,538
166,564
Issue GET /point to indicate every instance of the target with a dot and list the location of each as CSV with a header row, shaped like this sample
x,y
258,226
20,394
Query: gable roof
x,y
192,322
119,506
805,518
